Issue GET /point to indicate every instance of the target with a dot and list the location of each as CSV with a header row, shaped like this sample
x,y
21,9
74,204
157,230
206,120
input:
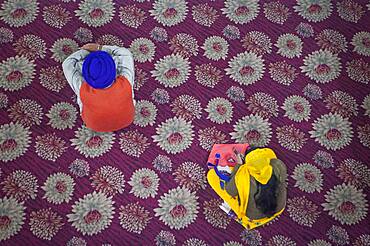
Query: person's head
x,y
266,196
99,69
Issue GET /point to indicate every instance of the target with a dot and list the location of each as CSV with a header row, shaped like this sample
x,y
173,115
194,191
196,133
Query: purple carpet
x,y
290,75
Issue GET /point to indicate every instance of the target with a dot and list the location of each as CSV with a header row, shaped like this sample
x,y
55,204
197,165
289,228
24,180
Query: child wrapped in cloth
x,y
102,77
256,191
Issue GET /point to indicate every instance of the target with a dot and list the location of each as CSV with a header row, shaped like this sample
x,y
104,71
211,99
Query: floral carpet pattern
x,y
290,75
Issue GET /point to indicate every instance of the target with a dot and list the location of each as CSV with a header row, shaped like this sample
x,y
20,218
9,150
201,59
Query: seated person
x,y
102,77
256,191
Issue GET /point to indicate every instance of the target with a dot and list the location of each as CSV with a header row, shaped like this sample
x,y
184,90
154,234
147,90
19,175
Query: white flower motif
x,y
231,32
305,30
145,113
332,131
95,13
252,129
62,115
354,172
49,146
162,163
76,241
246,68
257,42
332,40
52,78
159,34
289,45
350,11
214,215
314,10
20,184
235,93
58,188
145,183
134,217
83,35
346,203
276,12
209,136
280,240
6,35
109,180
16,73
109,39
14,141
187,107
184,44
312,91
165,238
133,143
56,16
204,14
3,100
232,243
132,16
207,75
319,242
92,214
290,137
303,211
364,239
252,237
178,208
323,159
172,70
308,178
142,49
220,110
26,112
342,103
282,72
361,43
45,223
215,48
169,12
338,235
79,168
363,134
241,11
160,96
62,48
17,13
366,105
194,242
263,104
92,144
30,46
174,135
358,70
322,66
190,175
12,217
297,108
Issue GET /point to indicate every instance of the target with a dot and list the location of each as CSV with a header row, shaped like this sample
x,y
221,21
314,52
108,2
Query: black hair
x,y
266,196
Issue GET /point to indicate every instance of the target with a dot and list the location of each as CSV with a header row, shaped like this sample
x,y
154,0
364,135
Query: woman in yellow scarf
x,y
256,190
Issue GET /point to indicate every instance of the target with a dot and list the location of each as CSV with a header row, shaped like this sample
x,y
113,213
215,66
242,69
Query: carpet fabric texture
x,y
290,75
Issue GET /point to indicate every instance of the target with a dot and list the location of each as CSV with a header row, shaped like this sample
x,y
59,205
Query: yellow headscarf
x,y
258,164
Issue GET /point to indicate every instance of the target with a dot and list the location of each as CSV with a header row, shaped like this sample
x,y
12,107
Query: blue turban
x,y
99,69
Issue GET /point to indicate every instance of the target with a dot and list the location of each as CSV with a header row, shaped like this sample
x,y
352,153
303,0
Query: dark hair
x,y
265,196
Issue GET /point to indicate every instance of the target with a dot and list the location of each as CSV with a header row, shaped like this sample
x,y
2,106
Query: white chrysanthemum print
x,y
297,108
14,141
178,208
145,183
304,30
141,77
83,35
280,240
263,104
133,143
56,16
109,180
214,215
159,34
95,13
291,138
346,203
79,168
331,40
30,46
6,35
322,66
363,134
62,48
165,238
350,10
187,107
361,43
92,214
62,115
364,239
303,211
246,68
132,16
134,218
251,237
109,39
160,96
342,103
312,91
76,241
282,72
231,32
26,112
358,70
215,48
18,13
204,14
58,188
209,136
257,42
52,78
12,217
241,11
92,144
314,10
232,243
332,131
45,223
145,113
338,235
16,73
3,100
174,135
172,70
318,242
366,105
190,175
50,146
308,178
323,159
184,44
276,12
169,12
289,45
162,164
21,185
235,93
194,242
208,75
220,110
354,172
142,49
252,129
